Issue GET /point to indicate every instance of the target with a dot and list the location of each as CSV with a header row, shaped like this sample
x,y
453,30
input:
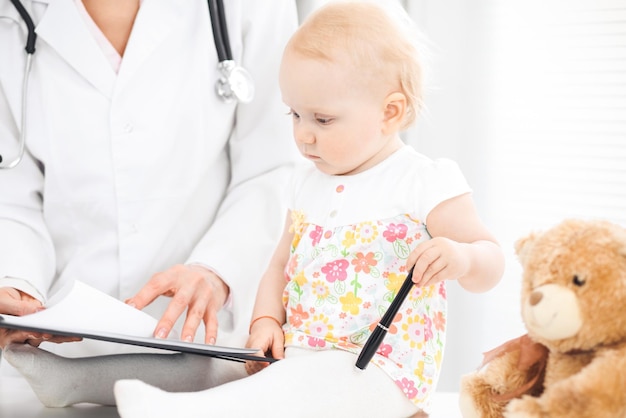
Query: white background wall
x,y
529,97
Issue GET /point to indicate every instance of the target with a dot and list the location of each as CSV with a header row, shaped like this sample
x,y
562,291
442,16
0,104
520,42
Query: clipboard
x,y
79,310
226,353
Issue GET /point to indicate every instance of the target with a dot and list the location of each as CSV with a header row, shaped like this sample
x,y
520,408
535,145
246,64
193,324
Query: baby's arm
x,y
461,248
268,315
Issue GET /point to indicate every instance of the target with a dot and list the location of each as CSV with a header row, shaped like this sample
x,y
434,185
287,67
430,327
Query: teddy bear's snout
x,y
535,298
552,312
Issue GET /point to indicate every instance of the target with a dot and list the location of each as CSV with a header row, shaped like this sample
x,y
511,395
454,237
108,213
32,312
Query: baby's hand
x,y
266,335
437,260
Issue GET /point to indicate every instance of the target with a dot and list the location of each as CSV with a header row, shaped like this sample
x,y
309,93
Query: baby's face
x,y
337,120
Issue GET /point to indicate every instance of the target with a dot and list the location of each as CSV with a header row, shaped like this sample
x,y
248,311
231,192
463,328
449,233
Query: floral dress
x,y
352,237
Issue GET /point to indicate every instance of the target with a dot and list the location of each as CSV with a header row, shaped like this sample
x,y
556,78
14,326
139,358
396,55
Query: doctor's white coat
x,y
128,174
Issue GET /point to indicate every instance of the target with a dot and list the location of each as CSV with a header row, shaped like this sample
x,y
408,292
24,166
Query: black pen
x,y
377,336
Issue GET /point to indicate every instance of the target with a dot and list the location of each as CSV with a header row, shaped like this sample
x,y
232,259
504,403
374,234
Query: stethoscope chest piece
x,y
235,83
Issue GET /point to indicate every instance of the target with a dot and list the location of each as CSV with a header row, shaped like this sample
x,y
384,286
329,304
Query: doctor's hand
x,y
18,303
191,287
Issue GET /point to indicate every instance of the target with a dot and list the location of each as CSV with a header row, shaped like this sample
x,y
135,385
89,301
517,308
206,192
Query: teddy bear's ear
x,y
523,245
622,248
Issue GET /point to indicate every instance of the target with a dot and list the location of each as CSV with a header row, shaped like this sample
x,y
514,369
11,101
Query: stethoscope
x,y
234,84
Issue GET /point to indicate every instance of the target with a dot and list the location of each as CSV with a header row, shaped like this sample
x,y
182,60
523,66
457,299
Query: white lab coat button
x,y
128,127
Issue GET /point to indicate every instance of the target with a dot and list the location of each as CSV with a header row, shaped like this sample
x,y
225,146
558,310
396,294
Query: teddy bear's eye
x,y
578,281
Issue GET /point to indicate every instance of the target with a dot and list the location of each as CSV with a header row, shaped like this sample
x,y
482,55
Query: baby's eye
x,y
323,121
293,114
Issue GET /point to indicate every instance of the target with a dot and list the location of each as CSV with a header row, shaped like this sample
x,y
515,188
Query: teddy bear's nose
x,y
535,298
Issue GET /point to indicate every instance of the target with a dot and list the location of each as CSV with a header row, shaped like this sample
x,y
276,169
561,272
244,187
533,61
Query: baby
x,y
363,211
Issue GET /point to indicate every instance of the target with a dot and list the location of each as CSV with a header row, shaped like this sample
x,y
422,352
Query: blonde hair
x,y
372,38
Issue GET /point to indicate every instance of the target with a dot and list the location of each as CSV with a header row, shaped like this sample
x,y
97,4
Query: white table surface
x,y
17,400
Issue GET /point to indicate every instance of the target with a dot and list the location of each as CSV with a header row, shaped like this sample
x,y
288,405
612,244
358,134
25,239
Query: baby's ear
x,y
394,112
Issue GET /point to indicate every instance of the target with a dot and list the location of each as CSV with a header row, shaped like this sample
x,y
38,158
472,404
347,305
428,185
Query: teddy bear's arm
x,y
596,391
479,390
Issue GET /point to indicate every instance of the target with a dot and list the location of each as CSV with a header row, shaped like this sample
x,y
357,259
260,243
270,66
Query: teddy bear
x,y
572,361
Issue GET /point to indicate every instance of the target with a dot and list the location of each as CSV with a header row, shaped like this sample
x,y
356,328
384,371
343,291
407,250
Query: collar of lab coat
x,y
63,29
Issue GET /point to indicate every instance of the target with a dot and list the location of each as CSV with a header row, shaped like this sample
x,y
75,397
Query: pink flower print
x,y
415,293
408,387
395,231
316,235
316,342
336,270
442,290
385,349
428,328
364,262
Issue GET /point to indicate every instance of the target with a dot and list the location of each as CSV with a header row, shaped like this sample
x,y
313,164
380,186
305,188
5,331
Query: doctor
x,y
137,178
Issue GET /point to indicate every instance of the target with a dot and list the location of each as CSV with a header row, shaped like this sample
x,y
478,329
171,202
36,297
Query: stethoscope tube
x,y
31,40
220,30
32,35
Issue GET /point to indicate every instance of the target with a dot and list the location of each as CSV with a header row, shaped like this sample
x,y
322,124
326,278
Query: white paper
x,y
79,307
83,311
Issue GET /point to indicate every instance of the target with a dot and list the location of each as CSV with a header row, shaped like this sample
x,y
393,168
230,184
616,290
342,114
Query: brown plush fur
x,y
574,305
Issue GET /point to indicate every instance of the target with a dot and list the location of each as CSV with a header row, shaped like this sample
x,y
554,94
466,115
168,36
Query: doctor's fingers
x,y
194,292
201,309
14,302
179,303
8,336
164,283
37,339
